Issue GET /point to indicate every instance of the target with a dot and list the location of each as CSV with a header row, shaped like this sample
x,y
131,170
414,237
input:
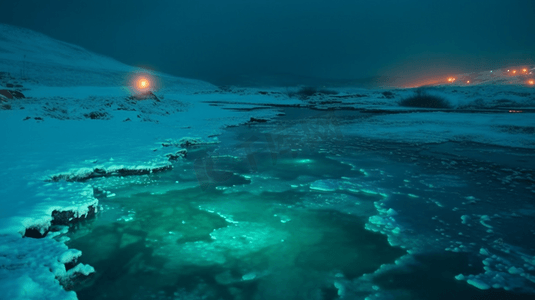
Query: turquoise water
x,y
289,218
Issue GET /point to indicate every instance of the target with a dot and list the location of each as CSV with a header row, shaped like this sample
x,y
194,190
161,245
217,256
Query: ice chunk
x,y
478,284
324,185
249,276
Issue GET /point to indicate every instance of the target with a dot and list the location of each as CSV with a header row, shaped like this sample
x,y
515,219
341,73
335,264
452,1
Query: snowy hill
x,y
39,58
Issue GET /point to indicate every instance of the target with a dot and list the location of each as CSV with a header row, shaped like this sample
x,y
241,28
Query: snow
x,y
29,268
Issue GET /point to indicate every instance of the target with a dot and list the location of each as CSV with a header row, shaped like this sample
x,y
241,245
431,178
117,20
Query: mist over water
x,y
292,41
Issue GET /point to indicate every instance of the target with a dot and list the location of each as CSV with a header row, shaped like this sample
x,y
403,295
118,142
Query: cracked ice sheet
x,y
454,224
509,267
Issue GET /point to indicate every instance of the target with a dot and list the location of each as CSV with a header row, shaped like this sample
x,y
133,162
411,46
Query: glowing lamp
x,y
531,82
143,83
524,70
514,71
468,81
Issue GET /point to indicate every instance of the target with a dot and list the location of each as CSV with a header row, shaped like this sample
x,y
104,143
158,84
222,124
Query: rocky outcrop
x,y
11,94
144,96
97,115
255,120
66,217
59,218
101,172
178,155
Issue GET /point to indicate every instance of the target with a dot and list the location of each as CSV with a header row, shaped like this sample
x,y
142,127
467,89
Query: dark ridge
x,y
11,94
424,100
59,218
103,173
252,120
145,96
330,102
66,217
217,103
185,143
351,96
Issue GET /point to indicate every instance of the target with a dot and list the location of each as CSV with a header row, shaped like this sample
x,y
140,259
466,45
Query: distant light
x,y
531,82
143,83
491,71
524,70
468,81
514,71
515,111
507,70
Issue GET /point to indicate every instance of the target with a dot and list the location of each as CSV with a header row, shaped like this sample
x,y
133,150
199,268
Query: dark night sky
x,y
221,40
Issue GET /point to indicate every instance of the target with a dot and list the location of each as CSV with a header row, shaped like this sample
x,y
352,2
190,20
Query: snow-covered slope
x,y
41,59
77,120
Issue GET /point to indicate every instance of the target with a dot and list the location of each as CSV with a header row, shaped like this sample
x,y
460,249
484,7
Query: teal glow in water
x,y
171,245
292,226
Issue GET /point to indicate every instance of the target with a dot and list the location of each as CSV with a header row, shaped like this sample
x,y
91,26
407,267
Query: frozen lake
x,y
299,208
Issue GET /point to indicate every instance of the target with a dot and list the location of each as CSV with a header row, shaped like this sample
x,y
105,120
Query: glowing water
x,y
300,224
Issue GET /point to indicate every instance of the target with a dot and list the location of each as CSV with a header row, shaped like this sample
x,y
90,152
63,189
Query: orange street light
x,y
143,83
